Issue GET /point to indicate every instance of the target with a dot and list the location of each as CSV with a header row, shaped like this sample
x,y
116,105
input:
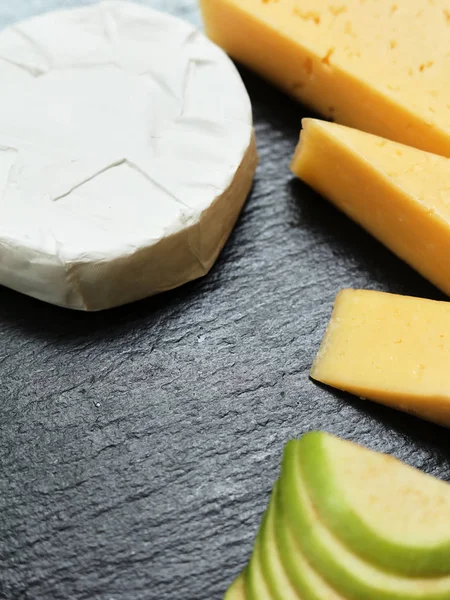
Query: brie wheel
x,y
126,153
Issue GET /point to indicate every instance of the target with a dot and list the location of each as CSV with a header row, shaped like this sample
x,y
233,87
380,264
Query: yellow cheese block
x,y
391,349
378,65
399,194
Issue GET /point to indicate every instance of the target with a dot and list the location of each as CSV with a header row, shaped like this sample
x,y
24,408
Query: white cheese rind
x,y
126,154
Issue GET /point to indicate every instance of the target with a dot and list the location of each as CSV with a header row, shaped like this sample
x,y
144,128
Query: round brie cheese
x,y
126,153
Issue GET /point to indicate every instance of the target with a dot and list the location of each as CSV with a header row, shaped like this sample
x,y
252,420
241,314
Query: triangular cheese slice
x,y
389,348
377,65
399,194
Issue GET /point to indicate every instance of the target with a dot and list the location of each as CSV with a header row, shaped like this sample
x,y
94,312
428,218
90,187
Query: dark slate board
x,y
139,446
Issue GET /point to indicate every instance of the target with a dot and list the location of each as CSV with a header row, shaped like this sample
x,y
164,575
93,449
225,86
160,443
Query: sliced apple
x,y
344,571
304,550
388,513
256,587
302,578
237,590
272,561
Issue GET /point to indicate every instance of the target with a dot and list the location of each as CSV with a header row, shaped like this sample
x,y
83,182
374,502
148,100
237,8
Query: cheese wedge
x,y
399,194
392,349
378,65
126,154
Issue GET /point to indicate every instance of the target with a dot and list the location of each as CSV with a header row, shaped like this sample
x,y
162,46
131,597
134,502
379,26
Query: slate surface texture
x,y
138,446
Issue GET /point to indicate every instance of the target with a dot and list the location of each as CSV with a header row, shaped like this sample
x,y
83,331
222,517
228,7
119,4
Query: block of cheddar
x,y
392,349
399,194
377,65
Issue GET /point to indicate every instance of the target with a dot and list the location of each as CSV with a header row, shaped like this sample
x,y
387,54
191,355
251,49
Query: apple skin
x,y
333,567
296,556
308,583
364,541
255,582
237,589
274,570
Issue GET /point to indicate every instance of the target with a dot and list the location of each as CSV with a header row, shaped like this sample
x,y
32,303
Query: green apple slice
x,y
390,514
272,564
237,590
347,573
255,583
304,578
287,572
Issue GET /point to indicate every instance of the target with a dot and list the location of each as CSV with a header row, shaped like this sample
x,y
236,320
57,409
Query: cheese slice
x,y
392,349
378,65
126,153
399,194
